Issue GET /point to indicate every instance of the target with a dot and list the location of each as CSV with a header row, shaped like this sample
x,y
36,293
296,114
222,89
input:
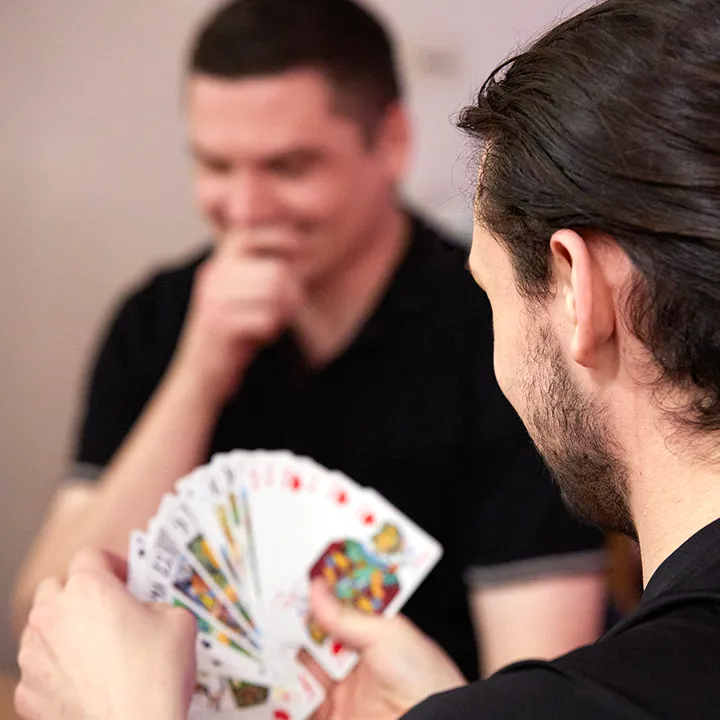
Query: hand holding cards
x,y
238,547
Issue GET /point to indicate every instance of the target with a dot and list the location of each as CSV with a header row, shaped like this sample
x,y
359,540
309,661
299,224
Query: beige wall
x,y
94,188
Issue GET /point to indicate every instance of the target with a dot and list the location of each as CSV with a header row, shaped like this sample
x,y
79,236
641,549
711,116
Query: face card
x,y
238,547
204,494
223,696
214,656
173,579
218,696
244,479
233,513
208,631
374,566
403,544
181,523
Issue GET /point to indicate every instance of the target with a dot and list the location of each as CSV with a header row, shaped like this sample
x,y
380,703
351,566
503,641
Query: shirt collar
x,y
695,555
408,292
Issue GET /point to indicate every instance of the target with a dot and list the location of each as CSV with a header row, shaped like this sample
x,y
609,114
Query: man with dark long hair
x,y
597,240
328,319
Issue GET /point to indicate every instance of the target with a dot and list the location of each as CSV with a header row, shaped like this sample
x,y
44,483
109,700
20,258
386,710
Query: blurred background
x,y
95,189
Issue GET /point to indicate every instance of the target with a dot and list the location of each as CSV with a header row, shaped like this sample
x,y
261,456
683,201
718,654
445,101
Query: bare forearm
x,y
168,441
541,618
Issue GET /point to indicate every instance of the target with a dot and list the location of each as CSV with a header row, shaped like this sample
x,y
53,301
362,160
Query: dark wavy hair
x,y
611,122
339,38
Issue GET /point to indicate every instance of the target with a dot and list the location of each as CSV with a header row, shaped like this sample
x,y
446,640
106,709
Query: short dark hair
x,y
611,122
339,38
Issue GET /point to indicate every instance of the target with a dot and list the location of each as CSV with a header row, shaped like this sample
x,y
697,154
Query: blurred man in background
x,y
328,320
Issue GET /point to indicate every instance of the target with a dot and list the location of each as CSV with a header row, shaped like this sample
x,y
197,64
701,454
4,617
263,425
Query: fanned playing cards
x,y
238,545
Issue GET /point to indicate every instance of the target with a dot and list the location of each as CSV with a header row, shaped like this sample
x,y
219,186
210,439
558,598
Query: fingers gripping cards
x,y
238,545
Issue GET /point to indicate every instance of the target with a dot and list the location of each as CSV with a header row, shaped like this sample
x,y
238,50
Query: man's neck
x,y
336,309
673,496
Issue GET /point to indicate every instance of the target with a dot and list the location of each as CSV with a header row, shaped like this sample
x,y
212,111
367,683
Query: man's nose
x,y
250,201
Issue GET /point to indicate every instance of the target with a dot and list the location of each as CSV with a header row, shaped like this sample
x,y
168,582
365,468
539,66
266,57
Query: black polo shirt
x,y
411,408
661,663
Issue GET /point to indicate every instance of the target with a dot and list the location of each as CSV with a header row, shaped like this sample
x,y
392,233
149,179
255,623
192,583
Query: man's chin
x,y
610,516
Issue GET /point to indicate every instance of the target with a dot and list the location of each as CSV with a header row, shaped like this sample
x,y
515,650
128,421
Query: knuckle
x,y
23,702
86,557
33,634
84,584
78,582
45,591
25,654
182,623
36,619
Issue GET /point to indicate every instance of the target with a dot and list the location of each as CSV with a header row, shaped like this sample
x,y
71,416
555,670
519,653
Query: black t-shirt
x,y
411,408
661,663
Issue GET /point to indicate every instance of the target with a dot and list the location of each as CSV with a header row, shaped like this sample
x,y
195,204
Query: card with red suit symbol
x,y
238,545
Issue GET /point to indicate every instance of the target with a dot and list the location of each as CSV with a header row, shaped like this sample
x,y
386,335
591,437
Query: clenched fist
x,y
244,296
92,652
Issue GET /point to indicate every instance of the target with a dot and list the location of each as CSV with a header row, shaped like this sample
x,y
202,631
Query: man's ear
x,y
394,140
587,299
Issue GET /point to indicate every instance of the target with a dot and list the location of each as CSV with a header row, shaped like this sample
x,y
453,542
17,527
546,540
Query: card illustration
x,y
237,545
364,579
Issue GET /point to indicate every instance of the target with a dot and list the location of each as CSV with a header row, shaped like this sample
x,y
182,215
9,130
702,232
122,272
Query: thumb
x,y
99,561
351,627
